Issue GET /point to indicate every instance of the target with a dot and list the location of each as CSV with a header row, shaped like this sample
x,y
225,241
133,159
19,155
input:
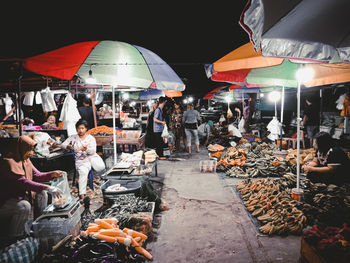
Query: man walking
x,y
158,126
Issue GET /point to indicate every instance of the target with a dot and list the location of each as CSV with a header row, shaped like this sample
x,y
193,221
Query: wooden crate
x,y
308,254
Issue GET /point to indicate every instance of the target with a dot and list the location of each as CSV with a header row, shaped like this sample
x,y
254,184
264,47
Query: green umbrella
x,y
283,75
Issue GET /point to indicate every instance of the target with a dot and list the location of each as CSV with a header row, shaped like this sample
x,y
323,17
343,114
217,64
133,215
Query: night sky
x,y
185,36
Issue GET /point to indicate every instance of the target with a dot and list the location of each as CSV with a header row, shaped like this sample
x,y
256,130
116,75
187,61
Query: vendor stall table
x,y
56,160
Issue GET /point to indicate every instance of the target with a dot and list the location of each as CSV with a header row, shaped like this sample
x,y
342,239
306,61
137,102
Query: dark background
x,y
186,36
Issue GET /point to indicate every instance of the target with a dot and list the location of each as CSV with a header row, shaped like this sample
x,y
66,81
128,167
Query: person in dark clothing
x,y
87,113
248,111
158,126
330,165
311,119
149,141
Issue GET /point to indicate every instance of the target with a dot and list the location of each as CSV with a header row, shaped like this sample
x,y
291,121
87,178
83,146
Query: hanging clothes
x,y
70,114
48,101
274,127
8,103
340,101
28,98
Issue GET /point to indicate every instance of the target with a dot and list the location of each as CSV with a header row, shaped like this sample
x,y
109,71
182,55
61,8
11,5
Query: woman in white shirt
x,y
84,147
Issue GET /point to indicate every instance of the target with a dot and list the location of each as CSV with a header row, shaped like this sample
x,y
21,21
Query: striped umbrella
x,y
112,63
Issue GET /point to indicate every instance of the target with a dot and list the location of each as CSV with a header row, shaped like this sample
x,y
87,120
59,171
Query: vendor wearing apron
x,y
330,165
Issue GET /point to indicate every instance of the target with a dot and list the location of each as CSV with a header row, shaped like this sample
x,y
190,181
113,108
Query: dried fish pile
x,y
251,160
270,202
326,205
123,207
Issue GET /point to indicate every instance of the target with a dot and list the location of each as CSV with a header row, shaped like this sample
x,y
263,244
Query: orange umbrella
x,y
244,65
245,57
173,93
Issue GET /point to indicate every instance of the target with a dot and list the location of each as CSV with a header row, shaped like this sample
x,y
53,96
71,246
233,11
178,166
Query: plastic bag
x,y
62,184
229,113
241,125
165,131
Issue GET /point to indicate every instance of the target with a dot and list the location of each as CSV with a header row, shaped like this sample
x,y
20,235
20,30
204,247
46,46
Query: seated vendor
x,y
20,187
84,147
204,132
232,132
50,123
330,165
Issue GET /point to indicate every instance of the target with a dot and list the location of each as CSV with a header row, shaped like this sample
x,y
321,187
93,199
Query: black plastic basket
x,y
133,186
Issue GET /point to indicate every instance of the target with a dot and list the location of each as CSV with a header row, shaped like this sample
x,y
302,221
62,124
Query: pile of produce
x,y
333,243
107,229
123,207
306,155
326,205
103,241
270,202
233,157
215,147
150,156
101,131
252,160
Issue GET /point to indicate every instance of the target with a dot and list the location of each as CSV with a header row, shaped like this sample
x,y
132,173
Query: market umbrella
x,y
315,30
259,71
210,95
284,75
110,62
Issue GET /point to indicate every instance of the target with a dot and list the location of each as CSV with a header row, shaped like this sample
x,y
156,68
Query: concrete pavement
x,y
207,221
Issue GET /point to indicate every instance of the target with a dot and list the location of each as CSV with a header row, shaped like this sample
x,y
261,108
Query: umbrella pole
x,y
298,135
114,135
282,108
19,108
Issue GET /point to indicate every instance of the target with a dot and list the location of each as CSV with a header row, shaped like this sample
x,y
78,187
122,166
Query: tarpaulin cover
x,y
300,29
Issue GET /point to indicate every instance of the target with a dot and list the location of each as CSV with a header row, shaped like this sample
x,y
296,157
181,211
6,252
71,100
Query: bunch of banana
x,y
272,205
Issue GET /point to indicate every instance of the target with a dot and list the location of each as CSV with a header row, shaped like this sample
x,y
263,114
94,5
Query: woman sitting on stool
x,y
84,147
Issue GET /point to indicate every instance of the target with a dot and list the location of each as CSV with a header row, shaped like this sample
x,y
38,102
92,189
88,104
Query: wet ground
x,y
207,221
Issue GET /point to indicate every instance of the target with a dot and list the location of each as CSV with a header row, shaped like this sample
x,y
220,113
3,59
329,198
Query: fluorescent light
x,y
305,74
90,79
274,96
262,95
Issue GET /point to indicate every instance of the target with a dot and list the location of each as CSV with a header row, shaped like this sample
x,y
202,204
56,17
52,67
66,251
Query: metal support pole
x,y
298,135
282,108
19,108
114,135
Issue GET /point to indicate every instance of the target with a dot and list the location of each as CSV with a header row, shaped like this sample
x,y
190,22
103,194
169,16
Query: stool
x,y
90,176
293,141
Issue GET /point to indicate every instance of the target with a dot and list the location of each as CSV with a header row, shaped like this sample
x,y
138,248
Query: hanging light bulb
x,y
90,79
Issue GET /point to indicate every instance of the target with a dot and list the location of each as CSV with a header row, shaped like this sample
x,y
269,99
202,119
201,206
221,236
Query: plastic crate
x,y
51,231
53,226
207,166
132,186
